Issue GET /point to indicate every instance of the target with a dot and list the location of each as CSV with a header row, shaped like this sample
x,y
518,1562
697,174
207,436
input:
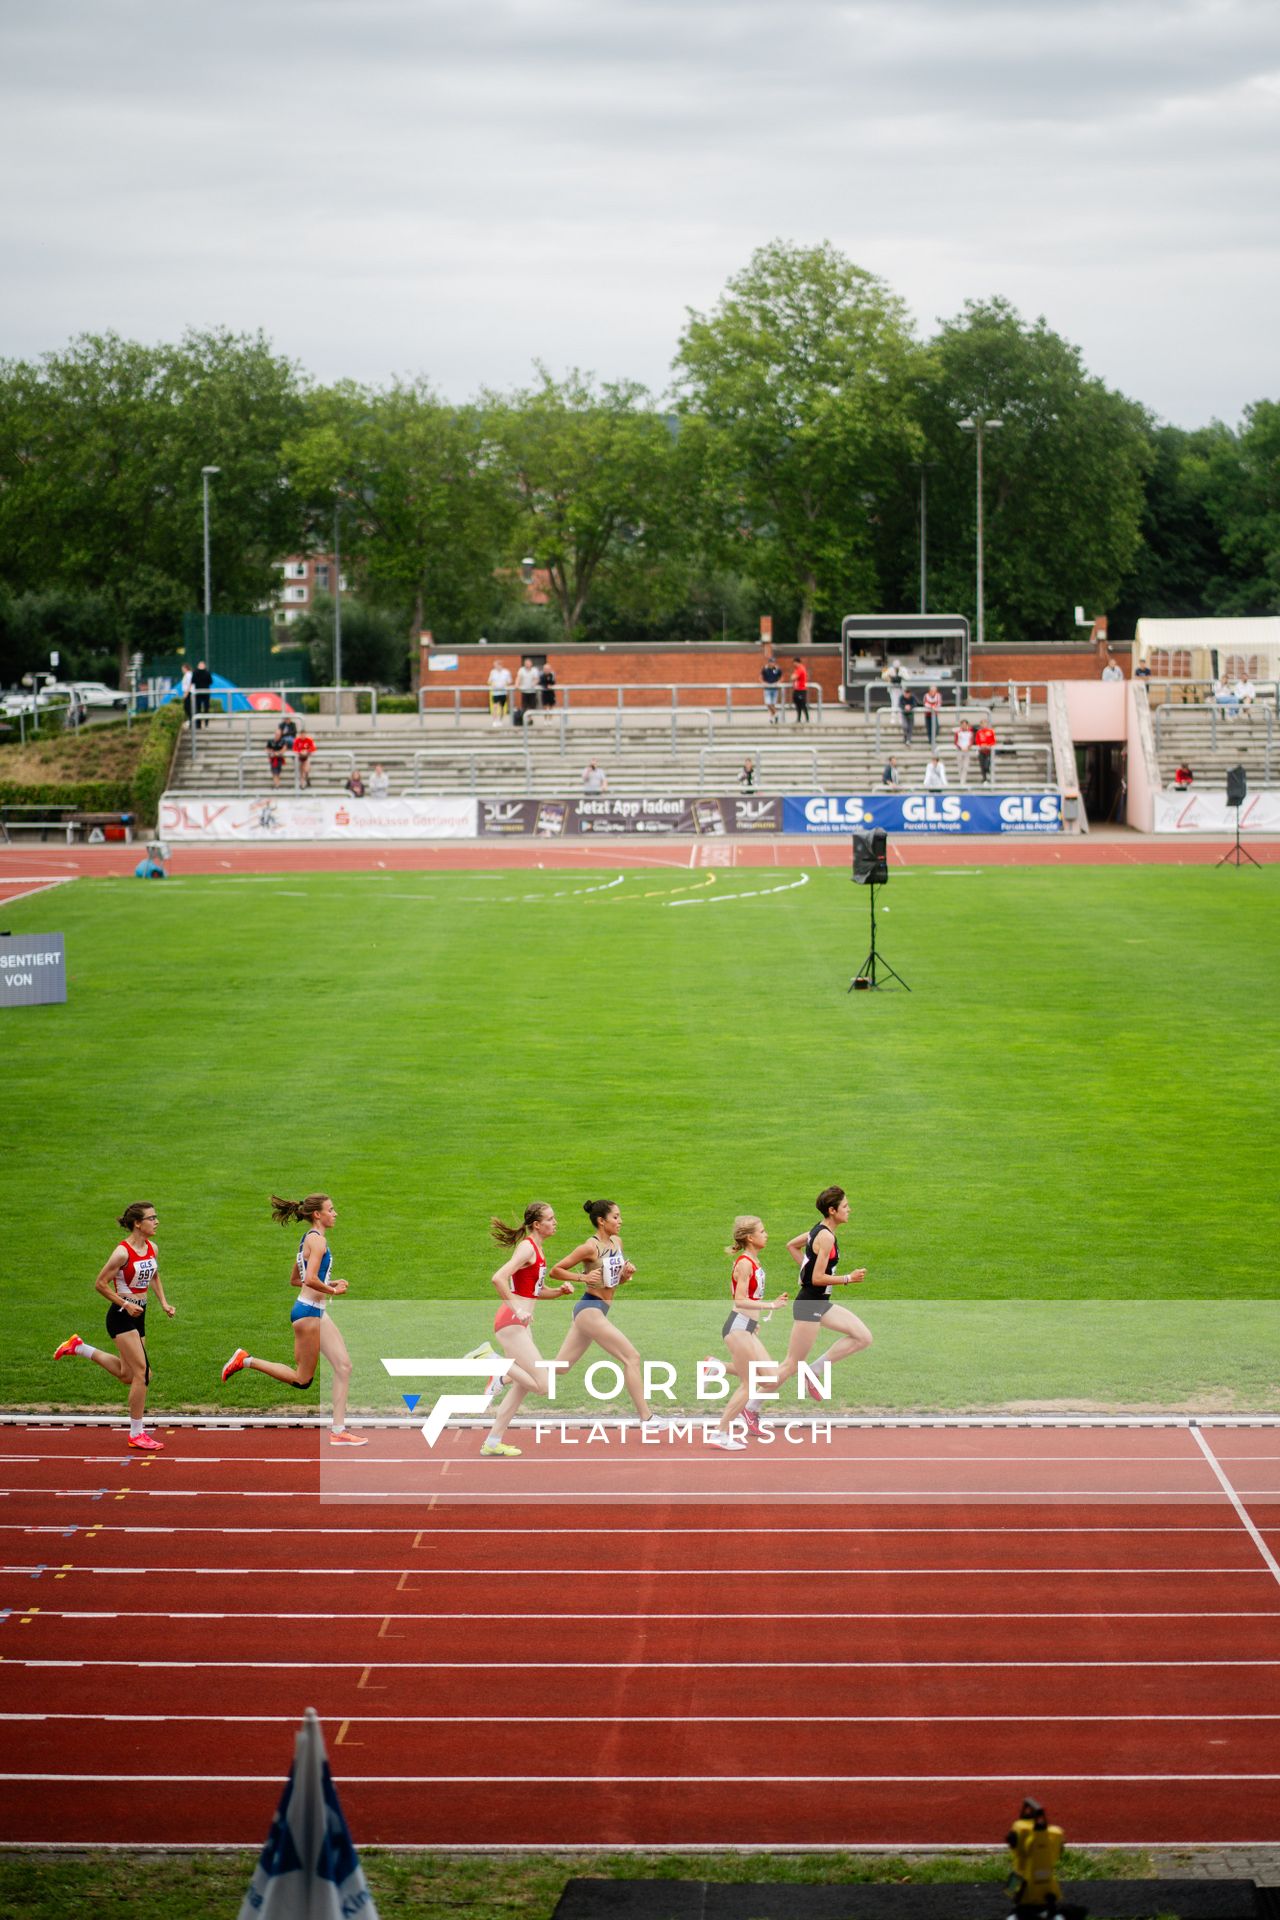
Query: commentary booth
x,y
931,648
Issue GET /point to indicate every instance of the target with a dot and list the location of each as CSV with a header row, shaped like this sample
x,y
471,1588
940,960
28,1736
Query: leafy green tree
x,y
101,450
592,471
373,643
427,519
802,373
1064,474
1179,569
1241,476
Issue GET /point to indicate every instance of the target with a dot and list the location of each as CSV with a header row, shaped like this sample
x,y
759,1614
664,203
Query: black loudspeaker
x,y
871,858
1237,786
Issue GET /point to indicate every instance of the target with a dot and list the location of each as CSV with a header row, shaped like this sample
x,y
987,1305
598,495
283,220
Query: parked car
x,y
93,693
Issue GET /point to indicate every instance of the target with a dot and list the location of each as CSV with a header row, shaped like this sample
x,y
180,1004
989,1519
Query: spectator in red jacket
x,y
1182,776
984,739
304,746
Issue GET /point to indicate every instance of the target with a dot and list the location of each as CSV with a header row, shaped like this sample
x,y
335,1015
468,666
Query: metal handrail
x,y
477,697
321,753
470,758
758,753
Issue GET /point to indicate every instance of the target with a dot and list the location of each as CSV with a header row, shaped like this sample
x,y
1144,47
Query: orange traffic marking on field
x,y
363,1684
383,1634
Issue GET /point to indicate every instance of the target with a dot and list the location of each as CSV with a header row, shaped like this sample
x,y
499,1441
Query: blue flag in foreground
x,y
309,1869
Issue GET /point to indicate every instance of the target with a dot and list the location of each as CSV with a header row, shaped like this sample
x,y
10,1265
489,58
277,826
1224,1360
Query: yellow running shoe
x,y
494,1450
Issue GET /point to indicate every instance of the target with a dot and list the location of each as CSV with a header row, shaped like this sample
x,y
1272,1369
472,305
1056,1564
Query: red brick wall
x,y
594,672
701,672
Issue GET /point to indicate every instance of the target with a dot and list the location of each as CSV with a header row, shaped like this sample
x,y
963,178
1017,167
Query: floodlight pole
x,y
337,614
977,425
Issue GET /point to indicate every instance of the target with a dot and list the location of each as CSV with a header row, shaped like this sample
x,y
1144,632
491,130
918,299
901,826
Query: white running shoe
x,y
726,1442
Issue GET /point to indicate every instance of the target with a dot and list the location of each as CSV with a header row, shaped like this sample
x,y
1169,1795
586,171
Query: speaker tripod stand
x,y
1237,855
873,967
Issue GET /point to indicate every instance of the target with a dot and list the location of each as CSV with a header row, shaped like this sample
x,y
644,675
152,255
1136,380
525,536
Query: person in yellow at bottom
x,y
1035,1849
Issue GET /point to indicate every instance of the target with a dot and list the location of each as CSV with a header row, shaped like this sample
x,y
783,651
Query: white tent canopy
x,y
1187,647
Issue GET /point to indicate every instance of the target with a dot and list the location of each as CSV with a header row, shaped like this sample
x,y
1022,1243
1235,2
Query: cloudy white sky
x,y
458,187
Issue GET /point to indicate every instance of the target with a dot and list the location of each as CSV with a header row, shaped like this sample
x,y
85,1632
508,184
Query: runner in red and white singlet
x,y
520,1282
131,1273
741,1331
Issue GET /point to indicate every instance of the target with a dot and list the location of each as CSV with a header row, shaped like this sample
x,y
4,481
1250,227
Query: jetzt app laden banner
x,y
705,814
327,817
951,813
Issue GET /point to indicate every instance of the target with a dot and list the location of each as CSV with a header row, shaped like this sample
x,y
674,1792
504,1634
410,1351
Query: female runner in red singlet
x,y
519,1281
741,1331
129,1274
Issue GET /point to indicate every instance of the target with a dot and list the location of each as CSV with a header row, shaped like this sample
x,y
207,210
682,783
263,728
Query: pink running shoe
x,y
143,1443
346,1439
751,1421
235,1363
68,1347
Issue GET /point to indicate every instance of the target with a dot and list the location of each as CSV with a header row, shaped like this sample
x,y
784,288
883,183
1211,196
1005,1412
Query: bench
x,y
71,822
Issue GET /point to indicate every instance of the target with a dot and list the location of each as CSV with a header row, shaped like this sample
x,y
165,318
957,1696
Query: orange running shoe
x,y
235,1363
345,1439
68,1347
143,1443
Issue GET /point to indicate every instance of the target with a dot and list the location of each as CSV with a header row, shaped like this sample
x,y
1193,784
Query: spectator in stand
x,y
1113,670
594,778
1182,776
303,750
932,715
890,779
278,745
800,688
355,784
528,688
1246,692
188,680
935,775
771,675
963,740
892,677
499,692
379,784
202,682
984,739
907,715
747,778
547,686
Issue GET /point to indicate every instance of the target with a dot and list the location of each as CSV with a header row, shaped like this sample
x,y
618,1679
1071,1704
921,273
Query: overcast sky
x,y
454,189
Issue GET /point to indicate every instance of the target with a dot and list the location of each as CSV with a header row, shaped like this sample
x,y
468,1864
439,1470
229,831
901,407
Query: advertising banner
x,y
1209,813
33,969
319,817
705,814
950,813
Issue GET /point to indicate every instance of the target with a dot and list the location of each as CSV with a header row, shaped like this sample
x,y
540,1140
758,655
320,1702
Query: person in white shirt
x,y
499,692
594,778
379,784
1246,692
935,776
1113,671
963,737
529,687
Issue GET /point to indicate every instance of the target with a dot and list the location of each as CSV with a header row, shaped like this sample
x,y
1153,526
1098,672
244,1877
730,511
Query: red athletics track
x,y
25,869
882,1668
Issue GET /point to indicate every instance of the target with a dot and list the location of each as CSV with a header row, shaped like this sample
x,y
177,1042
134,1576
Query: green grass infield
x,y
1059,1146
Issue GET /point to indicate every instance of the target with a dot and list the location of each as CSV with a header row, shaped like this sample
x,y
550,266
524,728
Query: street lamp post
x,y
923,467
337,616
979,424
206,474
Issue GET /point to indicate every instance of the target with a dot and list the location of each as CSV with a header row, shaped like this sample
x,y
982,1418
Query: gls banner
x,y
963,812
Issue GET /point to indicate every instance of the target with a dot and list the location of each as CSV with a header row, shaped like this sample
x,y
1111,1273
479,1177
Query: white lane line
x,y
753,893
458,1494
646,1533
1269,1559
1006,1568
1065,1613
196,1462
653,1779
640,1666
37,886
748,1719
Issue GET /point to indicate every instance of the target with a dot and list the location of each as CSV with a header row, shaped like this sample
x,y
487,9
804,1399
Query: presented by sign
x,y
33,969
